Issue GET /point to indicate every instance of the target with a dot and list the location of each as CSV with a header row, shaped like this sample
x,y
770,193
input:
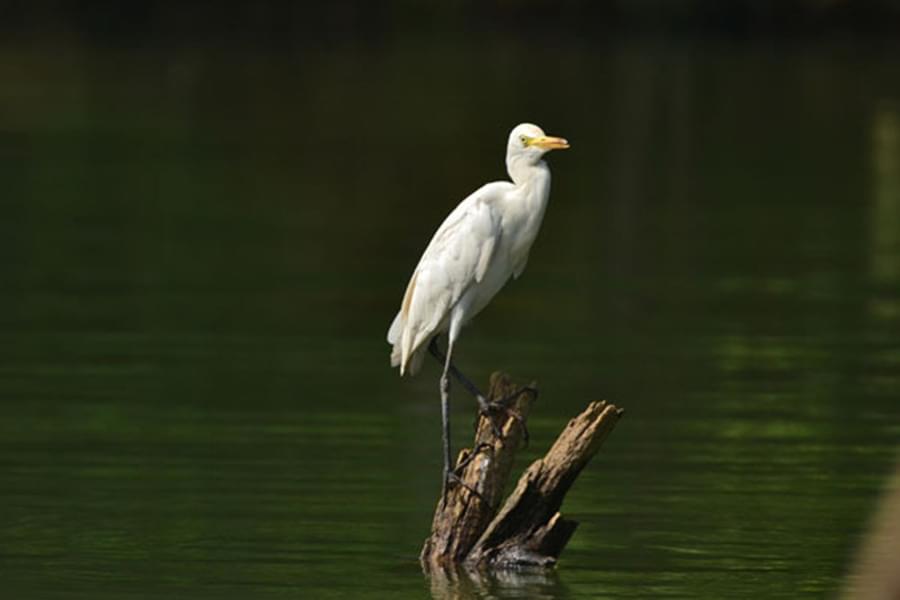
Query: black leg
x,y
451,476
488,409
457,480
457,374
482,447
445,431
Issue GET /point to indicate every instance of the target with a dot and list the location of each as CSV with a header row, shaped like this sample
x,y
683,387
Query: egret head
x,y
530,140
527,144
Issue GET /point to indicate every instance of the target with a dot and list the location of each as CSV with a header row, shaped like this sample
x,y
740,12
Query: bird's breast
x,y
521,229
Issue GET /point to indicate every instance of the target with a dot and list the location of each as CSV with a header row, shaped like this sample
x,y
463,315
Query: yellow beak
x,y
548,142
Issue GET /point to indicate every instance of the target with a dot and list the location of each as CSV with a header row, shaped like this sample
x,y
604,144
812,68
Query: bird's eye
x,y
523,139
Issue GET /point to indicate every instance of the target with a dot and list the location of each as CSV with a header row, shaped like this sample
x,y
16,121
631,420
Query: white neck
x,y
532,181
523,169
532,178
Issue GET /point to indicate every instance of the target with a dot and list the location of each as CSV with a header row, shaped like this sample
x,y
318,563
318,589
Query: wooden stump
x,y
528,529
459,523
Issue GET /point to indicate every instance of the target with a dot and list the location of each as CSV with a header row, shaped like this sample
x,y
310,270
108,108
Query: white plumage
x,y
477,248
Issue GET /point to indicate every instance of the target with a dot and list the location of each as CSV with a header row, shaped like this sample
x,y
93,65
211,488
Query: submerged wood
x,y
528,529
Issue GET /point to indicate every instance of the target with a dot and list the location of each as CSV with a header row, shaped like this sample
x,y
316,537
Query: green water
x,y
201,250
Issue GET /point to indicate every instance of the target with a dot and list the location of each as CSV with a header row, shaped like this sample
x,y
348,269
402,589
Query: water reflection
x,y
459,583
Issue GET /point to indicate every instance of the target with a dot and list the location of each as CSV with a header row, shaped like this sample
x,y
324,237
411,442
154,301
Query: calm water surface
x,y
201,251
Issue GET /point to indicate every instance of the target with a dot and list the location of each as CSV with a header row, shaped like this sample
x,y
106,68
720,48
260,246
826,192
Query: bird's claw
x,y
508,399
471,456
452,478
490,410
525,388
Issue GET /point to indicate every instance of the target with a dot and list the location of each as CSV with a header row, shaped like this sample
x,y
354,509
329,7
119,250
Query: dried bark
x,y
528,529
459,523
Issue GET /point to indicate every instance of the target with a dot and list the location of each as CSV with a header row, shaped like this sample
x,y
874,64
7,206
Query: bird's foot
x,y
509,399
451,478
482,447
505,400
493,410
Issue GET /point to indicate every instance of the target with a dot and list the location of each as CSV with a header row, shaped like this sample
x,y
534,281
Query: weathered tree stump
x,y
528,530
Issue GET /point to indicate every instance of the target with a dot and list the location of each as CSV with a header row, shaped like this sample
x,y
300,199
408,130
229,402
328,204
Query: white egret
x,y
477,248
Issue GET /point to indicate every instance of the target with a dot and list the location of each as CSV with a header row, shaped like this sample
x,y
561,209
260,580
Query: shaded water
x,y
201,251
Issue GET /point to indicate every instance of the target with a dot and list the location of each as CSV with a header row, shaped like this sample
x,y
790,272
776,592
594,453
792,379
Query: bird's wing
x,y
457,257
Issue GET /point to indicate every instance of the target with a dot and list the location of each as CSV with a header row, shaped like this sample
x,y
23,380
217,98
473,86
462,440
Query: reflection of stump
x,y
456,582
528,529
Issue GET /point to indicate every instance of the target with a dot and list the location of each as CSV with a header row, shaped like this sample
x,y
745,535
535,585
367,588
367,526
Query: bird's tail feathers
x,y
407,353
395,356
394,338
404,351
396,327
400,336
